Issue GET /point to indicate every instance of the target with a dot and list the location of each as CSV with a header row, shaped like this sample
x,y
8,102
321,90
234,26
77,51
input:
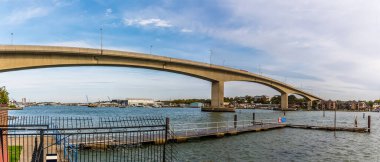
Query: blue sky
x,y
328,48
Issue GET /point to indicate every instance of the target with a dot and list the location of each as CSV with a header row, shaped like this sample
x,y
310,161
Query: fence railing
x,y
328,122
38,139
194,129
200,128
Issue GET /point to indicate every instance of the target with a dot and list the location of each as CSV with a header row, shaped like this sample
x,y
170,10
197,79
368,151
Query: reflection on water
x,y
275,145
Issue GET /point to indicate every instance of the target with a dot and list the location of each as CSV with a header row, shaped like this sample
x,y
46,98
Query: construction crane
x,y
87,99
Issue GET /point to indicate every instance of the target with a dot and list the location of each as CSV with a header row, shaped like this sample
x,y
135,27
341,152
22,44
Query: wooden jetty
x,y
212,133
194,131
329,128
229,128
183,136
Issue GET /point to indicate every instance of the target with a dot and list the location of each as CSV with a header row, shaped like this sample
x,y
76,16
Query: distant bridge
x,y
17,57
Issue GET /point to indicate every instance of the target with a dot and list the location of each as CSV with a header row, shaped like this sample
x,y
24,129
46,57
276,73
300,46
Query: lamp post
x,y
101,40
335,123
11,38
210,56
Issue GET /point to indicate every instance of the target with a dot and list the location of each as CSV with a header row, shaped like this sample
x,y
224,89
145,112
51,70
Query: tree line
x,y
4,96
292,99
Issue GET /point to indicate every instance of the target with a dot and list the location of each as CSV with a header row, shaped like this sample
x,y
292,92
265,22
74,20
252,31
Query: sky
x,y
328,48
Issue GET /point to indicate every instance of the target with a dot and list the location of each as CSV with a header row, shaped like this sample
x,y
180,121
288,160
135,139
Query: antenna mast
x,y
101,40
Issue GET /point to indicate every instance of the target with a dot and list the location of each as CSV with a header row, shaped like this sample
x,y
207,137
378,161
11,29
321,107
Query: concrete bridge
x,y
17,57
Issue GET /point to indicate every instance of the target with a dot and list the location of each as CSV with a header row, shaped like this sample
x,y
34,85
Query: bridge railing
x,y
195,129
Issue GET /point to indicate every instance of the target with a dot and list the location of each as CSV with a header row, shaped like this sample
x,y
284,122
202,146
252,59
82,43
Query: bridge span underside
x,y
31,57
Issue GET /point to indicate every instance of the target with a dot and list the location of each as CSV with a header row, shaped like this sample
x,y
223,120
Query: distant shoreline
x,y
5,108
308,110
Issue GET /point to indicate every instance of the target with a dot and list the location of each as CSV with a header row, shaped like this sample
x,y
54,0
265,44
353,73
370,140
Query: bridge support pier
x,y
217,98
284,101
309,105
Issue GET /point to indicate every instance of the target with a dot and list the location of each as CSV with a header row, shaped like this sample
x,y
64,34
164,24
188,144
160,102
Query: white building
x,y
23,100
376,105
139,102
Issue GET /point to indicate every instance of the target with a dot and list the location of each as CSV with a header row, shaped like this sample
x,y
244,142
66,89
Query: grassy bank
x,y
14,153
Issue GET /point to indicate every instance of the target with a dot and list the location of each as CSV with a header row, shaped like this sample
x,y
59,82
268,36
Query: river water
x,y
286,144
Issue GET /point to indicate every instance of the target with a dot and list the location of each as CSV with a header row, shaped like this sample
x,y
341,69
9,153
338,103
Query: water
x,y
276,145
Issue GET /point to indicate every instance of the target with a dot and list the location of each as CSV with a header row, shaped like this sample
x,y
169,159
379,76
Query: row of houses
x,y
343,105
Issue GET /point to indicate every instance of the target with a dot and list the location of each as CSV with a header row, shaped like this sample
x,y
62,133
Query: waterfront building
x,y
120,102
134,102
139,102
23,100
196,105
357,105
352,105
182,105
108,104
361,105
328,105
375,105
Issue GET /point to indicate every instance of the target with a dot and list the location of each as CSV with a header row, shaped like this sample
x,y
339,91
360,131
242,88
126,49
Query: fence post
x,y
207,127
167,120
253,118
369,123
2,145
335,123
235,121
41,147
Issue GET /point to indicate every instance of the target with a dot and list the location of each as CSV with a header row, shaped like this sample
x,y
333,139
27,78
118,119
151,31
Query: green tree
x,y
292,99
275,99
4,98
264,101
370,103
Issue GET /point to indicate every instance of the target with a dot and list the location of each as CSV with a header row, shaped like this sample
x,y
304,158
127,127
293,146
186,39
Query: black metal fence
x,y
42,138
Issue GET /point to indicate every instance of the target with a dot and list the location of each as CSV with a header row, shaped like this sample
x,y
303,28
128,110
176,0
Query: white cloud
x,y
63,3
148,22
185,30
333,40
108,12
19,16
